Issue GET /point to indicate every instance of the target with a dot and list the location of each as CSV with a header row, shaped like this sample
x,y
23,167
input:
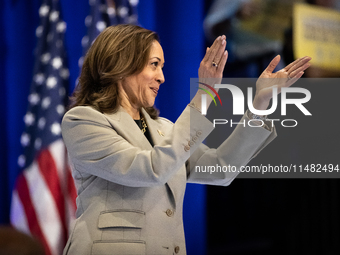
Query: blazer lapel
x,y
154,127
125,126
158,135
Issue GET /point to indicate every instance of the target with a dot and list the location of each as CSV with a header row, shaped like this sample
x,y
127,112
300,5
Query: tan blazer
x,y
130,194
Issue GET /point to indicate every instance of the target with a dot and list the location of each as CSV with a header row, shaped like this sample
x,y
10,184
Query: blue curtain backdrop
x,y
179,24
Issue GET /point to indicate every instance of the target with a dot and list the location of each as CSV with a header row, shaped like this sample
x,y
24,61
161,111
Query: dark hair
x,y
119,51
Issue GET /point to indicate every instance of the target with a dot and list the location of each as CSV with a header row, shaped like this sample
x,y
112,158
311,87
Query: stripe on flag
x,y
43,201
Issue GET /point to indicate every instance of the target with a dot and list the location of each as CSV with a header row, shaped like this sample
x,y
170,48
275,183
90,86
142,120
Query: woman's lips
x,y
155,90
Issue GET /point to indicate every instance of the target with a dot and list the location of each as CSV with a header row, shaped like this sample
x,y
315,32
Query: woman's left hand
x,y
283,78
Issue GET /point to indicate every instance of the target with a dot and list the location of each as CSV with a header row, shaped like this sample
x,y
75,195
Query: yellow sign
x,y
317,34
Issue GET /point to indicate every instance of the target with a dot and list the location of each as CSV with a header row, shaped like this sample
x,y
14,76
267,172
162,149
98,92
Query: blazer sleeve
x,y
95,148
237,150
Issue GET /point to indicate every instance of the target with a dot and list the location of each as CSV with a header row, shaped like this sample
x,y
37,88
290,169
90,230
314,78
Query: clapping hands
x,y
285,77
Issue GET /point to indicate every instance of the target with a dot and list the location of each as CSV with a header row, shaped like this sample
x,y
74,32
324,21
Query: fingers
x,y
299,66
302,60
214,60
210,51
292,79
291,64
270,68
219,55
299,75
215,52
222,63
299,70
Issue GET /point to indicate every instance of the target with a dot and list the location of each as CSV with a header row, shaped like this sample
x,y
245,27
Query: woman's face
x,y
141,89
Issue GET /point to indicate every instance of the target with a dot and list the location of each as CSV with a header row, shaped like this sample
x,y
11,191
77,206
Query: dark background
x,y
281,215
295,213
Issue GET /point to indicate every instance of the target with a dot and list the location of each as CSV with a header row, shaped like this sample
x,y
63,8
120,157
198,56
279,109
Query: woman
x,y
131,179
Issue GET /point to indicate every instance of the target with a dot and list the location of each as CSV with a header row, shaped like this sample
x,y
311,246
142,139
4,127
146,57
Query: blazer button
x,y
198,133
177,249
186,147
169,212
194,138
191,143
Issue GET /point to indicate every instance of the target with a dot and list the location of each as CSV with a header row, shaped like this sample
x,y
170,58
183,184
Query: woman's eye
x,y
155,64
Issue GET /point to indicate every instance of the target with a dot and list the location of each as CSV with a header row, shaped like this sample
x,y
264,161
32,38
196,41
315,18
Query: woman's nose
x,y
160,77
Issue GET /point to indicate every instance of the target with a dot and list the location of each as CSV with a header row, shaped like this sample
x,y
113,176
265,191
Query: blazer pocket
x,y
121,219
118,247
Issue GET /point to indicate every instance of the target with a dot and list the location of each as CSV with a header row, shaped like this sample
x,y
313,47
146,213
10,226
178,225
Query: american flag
x,y
43,200
106,13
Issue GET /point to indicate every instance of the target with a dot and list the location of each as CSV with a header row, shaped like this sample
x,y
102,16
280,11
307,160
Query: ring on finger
x,y
214,64
289,78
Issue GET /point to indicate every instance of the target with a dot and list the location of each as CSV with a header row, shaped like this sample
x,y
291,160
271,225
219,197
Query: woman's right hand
x,y
214,61
211,69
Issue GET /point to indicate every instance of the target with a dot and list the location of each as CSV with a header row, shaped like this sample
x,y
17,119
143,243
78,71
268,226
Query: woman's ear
x,y
120,82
